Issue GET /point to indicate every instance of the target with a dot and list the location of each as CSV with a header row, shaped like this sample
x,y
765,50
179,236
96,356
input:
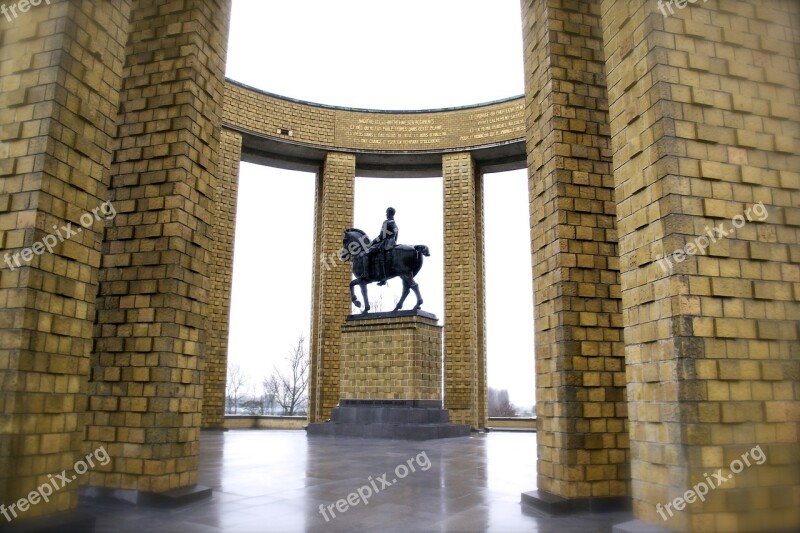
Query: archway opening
x,y
271,293
509,306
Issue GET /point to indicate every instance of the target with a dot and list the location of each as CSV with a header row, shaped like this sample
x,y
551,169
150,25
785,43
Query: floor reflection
x,y
277,481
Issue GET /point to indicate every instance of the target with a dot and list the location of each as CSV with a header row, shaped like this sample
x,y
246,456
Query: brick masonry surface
x,y
60,77
331,305
704,122
464,342
269,115
580,399
146,387
216,359
391,358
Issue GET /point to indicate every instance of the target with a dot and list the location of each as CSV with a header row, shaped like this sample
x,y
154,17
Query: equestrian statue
x,y
381,260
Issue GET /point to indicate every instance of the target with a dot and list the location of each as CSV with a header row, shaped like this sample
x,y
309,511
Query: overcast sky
x,y
379,55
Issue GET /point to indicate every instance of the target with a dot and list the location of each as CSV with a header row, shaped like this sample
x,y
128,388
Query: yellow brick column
x,y
331,298
216,360
464,339
480,301
61,75
582,434
704,121
146,386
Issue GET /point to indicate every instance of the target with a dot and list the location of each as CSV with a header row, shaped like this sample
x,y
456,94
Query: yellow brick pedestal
x,y
391,356
391,380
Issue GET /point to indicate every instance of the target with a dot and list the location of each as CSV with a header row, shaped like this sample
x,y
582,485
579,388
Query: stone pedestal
x,y
391,379
391,356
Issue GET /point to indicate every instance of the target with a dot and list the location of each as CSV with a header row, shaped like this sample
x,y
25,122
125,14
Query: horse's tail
x,y
422,250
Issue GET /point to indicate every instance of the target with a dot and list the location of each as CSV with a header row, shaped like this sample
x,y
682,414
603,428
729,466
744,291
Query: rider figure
x,y
384,242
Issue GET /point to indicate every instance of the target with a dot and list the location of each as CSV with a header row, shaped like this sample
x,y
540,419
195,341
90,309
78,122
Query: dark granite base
x,y
557,505
391,314
170,498
389,431
390,419
64,522
426,404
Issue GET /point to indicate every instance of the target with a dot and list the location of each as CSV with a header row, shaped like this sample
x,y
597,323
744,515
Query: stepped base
x,y
390,419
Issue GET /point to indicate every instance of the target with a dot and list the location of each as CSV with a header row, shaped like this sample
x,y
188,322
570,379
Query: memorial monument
x,y
391,363
382,260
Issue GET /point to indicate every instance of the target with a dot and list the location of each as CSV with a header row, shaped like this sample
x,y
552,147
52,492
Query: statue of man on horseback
x,y
382,260
384,243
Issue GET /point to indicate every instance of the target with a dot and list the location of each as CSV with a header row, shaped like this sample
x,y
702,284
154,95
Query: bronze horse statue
x,y
403,261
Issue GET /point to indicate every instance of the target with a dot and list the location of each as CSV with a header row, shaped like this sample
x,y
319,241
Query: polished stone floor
x,y
267,480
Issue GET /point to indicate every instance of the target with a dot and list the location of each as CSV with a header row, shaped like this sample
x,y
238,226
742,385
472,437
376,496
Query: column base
x,y
214,428
64,522
390,419
170,498
556,505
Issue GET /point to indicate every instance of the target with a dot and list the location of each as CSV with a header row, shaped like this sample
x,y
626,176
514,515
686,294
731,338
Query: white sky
x,y
367,54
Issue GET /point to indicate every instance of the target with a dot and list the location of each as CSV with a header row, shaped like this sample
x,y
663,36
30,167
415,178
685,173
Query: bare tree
x,y
252,404
268,399
234,386
289,389
499,404
376,305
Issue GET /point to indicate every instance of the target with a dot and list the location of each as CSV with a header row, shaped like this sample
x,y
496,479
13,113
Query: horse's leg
x,y
353,293
363,285
403,296
415,288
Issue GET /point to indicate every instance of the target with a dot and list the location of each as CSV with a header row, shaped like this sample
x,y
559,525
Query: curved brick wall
x,y
336,128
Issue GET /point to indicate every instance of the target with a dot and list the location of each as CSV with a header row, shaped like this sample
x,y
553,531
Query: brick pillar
x,y
464,324
331,305
480,301
146,386
582,434
61,75
704,113
216,361
314,393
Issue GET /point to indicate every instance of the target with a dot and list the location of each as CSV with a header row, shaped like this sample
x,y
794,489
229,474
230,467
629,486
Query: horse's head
x,y
354,243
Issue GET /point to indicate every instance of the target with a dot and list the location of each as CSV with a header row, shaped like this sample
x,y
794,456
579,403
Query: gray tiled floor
x,y
277,480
